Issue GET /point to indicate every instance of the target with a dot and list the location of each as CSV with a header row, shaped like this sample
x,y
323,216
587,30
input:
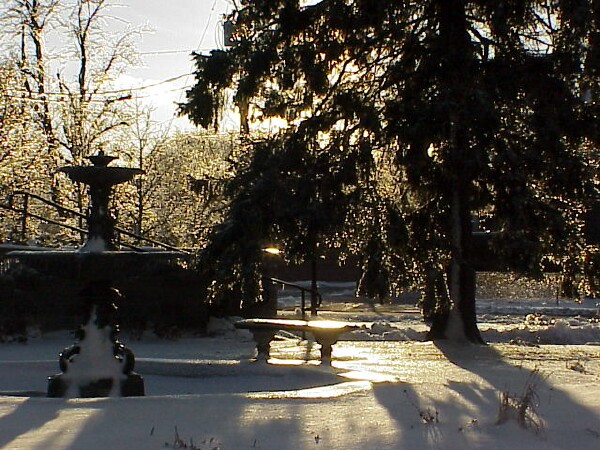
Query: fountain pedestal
x,y
97,364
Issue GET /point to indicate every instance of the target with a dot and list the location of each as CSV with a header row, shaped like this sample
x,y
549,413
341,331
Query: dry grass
x,y
179,443
522,408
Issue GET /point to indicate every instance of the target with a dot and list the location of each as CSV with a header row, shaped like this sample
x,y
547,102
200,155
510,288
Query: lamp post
x,y
271,255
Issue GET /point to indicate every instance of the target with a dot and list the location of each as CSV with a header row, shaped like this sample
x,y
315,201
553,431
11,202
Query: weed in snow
x,y
427,415
470,425
522,408
577,366
593,433
179,443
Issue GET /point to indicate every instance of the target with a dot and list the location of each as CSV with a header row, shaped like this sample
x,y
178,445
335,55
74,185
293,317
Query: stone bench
x,y
325,332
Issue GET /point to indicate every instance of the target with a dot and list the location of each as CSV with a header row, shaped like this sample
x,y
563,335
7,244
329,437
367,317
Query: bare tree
x,y
31,20
23,150
78,107
144,137
20,143
93,108
181,195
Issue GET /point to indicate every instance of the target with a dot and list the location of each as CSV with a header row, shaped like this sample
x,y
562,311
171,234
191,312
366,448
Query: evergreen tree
x,y
406,118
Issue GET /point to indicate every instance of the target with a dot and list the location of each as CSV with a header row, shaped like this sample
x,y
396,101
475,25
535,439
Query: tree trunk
x,y
456,61
436,304
464,303
460,279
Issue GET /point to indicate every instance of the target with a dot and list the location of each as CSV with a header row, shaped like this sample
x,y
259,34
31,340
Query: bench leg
x,y
326,339
263,340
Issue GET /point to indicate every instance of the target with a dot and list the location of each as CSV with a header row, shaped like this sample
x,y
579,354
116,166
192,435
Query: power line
x,y
165,52
148,86
212,10
110,92
57,101
198,48
174,52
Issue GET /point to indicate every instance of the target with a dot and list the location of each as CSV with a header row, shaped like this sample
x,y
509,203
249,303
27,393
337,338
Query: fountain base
x,y
131,385
97,365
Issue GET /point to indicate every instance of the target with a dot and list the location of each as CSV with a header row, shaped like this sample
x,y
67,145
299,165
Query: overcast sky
x,y
178,28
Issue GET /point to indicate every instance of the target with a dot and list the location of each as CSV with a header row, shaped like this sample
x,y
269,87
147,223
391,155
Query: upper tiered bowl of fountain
x,y
99,174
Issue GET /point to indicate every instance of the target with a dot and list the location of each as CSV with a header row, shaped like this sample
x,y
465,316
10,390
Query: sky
x,y
177,28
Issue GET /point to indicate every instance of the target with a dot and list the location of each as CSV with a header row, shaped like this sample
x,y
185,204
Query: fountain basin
x,y
88,265
99,176
84,365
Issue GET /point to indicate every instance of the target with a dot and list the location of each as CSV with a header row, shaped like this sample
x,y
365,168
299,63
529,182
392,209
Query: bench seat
x,y
325,332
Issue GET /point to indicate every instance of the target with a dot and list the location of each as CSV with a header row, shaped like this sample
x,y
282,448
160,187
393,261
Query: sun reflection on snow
x,y
373,377
321,392
7,409
293,362
350,406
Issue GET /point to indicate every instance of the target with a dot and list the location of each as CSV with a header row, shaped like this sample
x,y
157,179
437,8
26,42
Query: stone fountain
x,y
97,365
100,179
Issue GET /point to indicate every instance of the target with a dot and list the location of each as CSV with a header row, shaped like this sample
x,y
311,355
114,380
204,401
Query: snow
x,y
94,245
95,360
385,388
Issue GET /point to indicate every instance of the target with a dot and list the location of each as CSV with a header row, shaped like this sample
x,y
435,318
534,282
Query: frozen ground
x,y
385,389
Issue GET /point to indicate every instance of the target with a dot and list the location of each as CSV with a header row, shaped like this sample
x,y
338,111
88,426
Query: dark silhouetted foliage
x,y
404,120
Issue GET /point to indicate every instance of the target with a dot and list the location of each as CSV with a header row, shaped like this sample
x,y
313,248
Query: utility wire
x,y
164,52
114,91
198,48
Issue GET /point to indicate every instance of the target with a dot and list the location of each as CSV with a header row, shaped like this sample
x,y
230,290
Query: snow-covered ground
x,y
385,389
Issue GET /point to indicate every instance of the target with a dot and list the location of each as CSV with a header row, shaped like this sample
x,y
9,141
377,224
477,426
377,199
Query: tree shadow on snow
x,y
28,416
432,412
